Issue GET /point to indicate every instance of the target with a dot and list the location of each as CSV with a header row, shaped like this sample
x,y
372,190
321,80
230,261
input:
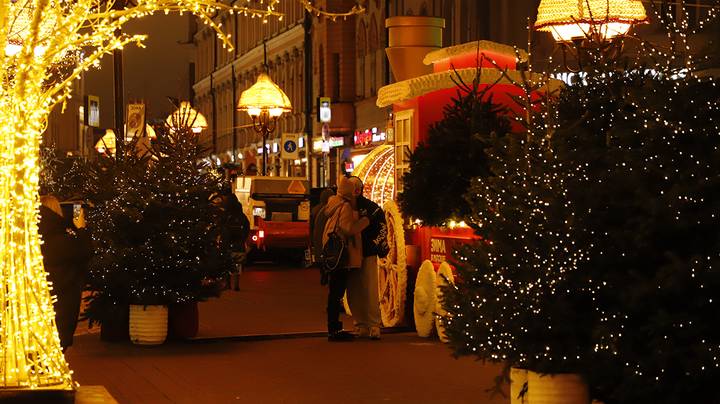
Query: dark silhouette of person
x,y
237,231
66,251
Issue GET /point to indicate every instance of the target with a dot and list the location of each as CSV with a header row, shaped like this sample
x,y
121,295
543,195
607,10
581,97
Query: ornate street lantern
x,y
186,117
265,102
570,20
106,144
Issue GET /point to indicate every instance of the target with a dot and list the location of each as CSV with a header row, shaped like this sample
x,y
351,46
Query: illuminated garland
x,y
30,85
356,9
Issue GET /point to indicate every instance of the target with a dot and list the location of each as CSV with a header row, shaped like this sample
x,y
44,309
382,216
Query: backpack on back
x,y
333,254
318,230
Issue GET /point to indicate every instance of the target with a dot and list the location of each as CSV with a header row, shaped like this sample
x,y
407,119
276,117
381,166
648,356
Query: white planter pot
x,y
148,324
563,388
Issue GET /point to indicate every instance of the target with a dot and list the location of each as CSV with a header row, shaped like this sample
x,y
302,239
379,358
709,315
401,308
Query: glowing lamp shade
x,y
106,144
186,116
264,96
574,19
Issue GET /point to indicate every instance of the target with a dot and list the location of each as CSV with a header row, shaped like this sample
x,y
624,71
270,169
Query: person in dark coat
x,y
66,251
237,231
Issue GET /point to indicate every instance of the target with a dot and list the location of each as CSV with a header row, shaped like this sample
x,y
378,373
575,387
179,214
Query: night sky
x,y
152,73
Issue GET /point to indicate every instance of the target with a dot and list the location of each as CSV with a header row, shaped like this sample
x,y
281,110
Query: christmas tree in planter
x,y
117,193
642,171
509,304
603,248
157,229
188,257
432,187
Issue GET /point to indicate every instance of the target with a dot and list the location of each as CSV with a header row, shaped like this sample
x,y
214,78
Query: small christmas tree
x,y
117,193
510,305
184,254
155,225
433,188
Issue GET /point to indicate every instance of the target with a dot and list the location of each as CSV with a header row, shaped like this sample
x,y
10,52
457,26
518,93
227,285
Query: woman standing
x,y
342,214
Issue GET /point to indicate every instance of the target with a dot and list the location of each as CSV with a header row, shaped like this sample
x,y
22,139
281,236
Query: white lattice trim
x,y
475,47
424,299
415,87
392,270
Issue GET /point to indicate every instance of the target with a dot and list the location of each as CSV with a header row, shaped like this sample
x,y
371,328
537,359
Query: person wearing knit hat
x,y
362,287
343,215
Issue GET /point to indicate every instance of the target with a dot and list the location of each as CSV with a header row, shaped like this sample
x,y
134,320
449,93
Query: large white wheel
x,y
424,302
392,270
444,277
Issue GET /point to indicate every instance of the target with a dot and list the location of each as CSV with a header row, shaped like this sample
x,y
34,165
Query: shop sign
x,y
438,250
324,109
441,249
135,121
337,141
362,138
92,111
368,136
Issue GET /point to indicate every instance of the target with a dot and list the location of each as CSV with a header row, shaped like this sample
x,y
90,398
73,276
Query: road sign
x,y
290,146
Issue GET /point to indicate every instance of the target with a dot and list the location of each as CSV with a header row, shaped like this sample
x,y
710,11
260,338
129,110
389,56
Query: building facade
x,y
348,64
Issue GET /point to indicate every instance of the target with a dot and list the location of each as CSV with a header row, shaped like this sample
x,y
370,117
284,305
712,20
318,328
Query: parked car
x,y
278,209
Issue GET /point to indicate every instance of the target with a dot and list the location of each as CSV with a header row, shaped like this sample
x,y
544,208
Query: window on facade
x,y
336,76
321,66
403,145
372,50
361,52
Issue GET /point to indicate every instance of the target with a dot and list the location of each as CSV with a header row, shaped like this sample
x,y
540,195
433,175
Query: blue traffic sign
x,y
290,146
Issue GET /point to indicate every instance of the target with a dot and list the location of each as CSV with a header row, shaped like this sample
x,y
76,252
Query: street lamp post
x,y
265,102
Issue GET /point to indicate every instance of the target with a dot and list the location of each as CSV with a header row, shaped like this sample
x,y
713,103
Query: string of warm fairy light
x,y
488,332
44,33
356,9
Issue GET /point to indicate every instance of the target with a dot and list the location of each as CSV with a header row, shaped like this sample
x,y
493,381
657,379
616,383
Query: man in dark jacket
x,y
66,251
362,288
238,229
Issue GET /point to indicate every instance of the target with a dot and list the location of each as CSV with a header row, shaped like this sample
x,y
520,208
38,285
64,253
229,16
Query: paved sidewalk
x,y
400,368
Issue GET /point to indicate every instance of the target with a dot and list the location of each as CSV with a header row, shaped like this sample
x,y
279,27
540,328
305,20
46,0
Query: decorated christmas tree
x,y
117,192
183,221
510,304
640,164
601,245
156,228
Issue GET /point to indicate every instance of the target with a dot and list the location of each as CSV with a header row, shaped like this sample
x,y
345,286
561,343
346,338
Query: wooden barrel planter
x,y
183,320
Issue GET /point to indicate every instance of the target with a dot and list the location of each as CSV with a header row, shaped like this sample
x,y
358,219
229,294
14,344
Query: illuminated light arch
x,y
377,172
